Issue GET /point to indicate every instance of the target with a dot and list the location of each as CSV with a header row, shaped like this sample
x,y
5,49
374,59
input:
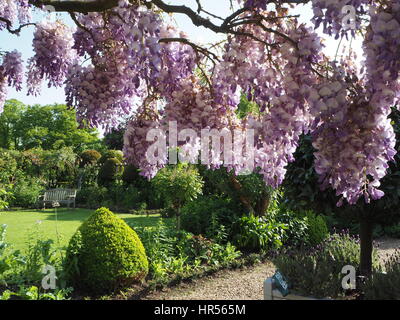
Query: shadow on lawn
x,y
65,214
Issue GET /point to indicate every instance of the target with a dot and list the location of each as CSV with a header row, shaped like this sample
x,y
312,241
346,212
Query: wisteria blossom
x,y
127,61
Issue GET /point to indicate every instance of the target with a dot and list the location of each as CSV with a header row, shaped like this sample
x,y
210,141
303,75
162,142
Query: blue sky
x,y
23,43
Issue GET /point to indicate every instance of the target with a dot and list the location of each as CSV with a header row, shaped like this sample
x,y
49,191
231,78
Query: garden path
x,y
241,284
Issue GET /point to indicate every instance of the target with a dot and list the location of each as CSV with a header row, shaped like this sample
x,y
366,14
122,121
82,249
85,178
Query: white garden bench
x,y
67,196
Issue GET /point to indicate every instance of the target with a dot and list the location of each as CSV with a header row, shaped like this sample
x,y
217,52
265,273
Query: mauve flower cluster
x,y
178,63
24,11
246,67
11,74
354,139
98,94
331,15
289,113
280,87
338,157
125,63
192,107
53,57
13,68
382,64
14,10
135,144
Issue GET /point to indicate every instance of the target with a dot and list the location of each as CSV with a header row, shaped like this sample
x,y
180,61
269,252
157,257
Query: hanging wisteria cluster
x,y
339,17
14,11
136,145
127,61
53,57
11,74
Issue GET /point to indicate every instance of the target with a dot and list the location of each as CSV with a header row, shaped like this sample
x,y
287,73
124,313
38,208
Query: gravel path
x,y
242,284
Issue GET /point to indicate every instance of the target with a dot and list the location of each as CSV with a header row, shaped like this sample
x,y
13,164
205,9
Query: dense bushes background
x,y
197,215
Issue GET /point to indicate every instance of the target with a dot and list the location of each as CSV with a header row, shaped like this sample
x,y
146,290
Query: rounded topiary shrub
x,y
110,171
118,154
89,157
131,174
105,254
316,228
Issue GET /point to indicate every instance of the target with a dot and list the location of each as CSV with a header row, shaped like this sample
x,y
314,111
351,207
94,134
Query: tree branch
x,y
15,31
197,48
84,6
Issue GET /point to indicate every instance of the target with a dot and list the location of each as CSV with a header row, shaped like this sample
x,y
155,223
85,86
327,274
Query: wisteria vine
x,y
128,62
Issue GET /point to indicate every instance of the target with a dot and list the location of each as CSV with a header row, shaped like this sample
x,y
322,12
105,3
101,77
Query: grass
x,y
21,223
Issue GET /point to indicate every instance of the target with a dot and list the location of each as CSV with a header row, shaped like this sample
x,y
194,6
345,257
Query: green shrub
x,y
159,243
120,197
87,176
316,271
296,233
257,233
92,196
317,230
124,197
34,293
173,253
109,154
178,185
104,254
204,251
17,269
6,257
89,157
25,192
393,230
168,212
249,191
110,171
4,196
385,286
303,227
131,174
197,214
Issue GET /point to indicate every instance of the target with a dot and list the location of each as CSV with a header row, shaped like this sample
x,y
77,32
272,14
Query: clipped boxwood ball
x,y
118,154
110,171
89,157
105,254
131,174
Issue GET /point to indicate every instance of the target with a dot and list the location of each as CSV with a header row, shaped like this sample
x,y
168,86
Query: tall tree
x,y
13,111
47,127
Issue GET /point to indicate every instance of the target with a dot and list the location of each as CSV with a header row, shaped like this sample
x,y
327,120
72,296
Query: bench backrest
x,y
59,194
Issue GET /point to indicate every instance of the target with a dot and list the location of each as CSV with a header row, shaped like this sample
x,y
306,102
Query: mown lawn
x,y
22,223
